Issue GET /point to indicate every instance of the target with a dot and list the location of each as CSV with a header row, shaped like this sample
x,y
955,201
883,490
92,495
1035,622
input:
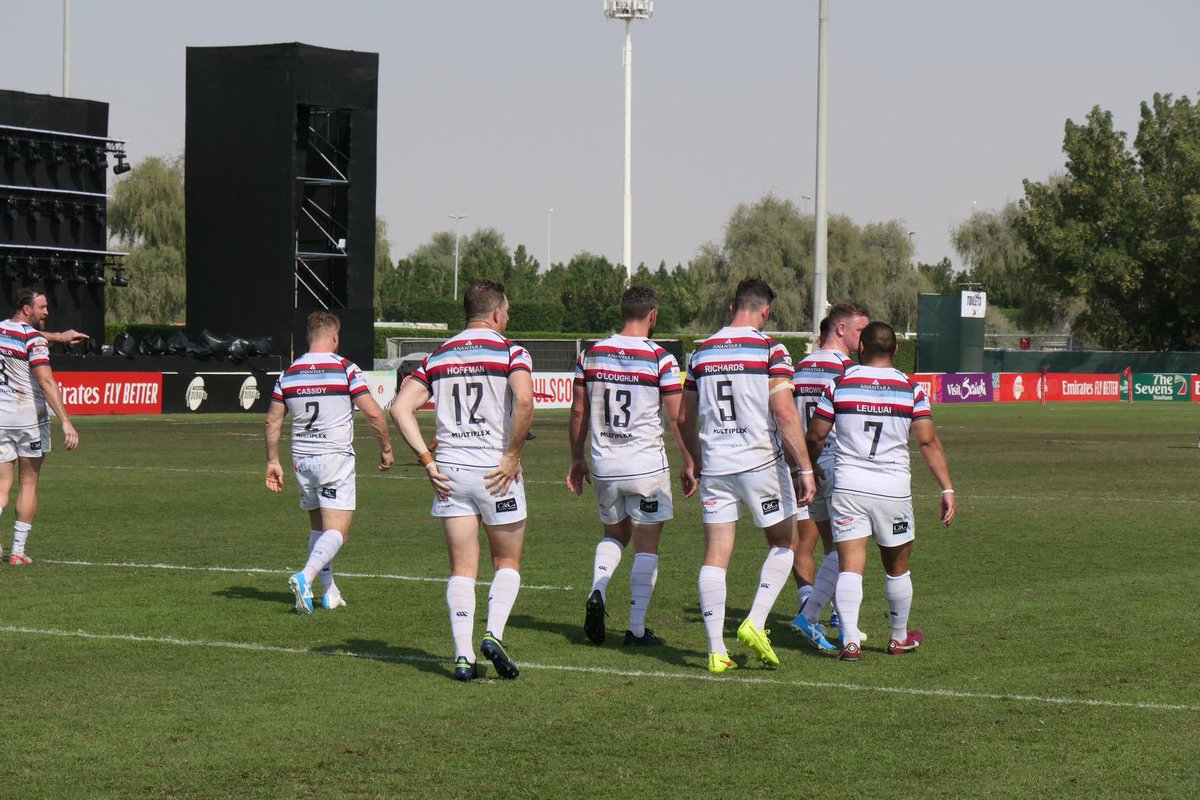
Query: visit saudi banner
x,y
1165,386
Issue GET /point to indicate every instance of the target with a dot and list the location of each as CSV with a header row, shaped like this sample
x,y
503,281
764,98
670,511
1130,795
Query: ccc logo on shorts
x,y
649,506
770,506
35,446
509,504
899,527
329,493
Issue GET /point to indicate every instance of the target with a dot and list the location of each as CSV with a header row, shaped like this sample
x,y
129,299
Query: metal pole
x,y
456,218
549,211
821,245
66,48
628,242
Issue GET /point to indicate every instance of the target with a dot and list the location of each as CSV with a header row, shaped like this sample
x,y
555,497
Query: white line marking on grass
x,y
623,673
264,571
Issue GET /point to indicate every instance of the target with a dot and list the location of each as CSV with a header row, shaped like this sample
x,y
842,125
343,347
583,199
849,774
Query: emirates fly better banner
x,y
111,392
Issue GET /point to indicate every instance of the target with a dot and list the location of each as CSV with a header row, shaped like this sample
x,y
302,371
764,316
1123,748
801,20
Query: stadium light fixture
x,y
628,10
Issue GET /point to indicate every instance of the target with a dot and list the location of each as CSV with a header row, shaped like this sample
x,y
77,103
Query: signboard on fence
x,y
1168,386
1070,387
383,386
964,387
111,392
926,381
553,389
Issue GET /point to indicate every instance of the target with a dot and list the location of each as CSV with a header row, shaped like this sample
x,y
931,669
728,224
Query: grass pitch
x,y
1060,657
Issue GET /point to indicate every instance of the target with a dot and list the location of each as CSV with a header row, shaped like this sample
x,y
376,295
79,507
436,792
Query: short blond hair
x,y
320,322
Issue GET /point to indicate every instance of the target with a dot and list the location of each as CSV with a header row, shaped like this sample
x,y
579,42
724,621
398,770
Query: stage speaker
x,y
280,188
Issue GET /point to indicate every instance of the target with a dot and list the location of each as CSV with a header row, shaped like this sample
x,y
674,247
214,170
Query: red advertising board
x,y
1019,387
111,392
1196,388
1060,387
926,381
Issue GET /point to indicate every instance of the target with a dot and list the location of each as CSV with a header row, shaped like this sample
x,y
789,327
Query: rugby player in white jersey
x,y
321,390
738,420
873,407
482,390
622,386
27,387
814,374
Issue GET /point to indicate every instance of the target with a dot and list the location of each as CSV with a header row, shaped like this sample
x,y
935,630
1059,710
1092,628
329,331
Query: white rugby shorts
x,y
24,442
767,492
326,481
645,499
889,521
469,497
818,507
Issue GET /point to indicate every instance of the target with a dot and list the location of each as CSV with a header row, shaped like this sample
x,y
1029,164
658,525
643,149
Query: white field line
x,y
265,571
622,673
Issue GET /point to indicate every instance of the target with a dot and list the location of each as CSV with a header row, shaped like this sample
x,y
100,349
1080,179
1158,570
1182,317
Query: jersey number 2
x,y
313,408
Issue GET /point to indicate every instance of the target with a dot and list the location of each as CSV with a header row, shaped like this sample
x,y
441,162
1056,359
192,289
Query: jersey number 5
x,y
725,406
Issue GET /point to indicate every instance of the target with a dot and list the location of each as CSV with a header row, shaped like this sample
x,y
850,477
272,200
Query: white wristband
x,y
947,491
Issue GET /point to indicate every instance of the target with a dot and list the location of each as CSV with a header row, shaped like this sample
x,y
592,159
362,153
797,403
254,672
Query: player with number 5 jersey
x,y
874,407
321,390
482,391
738,421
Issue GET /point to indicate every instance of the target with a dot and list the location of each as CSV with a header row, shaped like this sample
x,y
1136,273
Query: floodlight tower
x,y
628,10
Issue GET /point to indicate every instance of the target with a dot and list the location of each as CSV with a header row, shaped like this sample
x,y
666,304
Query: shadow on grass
x,y
614,639
376,650
254,593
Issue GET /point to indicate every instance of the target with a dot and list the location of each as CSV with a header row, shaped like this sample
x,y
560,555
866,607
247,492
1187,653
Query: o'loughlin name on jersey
x,y
468,378
625,379
814,374
873,409
732,371
319,391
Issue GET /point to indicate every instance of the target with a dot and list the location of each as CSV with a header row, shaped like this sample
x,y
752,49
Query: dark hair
x,y
482,298
24,298
752,294
637,303
823,331
878,339
319,321
843,312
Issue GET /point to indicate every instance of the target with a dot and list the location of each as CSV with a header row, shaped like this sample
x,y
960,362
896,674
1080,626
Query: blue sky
x,y
501,110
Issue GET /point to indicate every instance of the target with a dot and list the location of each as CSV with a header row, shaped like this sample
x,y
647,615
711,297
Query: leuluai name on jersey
x,y
22,347
873,409
815,373
732,372
468,378
319,391
625,378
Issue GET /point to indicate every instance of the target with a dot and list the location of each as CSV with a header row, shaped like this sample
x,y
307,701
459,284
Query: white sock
x,y
802,595
326,574
899,591
775,571
20,534
849,601
712,606
505,585
824,586
608,556
323,551
460,599
642,578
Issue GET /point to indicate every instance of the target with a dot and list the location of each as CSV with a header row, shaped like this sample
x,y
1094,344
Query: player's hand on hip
x,y
949,507
274,476
577,475
386,459
500,480
441,483
806,489
70,436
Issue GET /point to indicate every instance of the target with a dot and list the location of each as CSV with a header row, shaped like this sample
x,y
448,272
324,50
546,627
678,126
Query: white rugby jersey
x,y
468,378
814,374
319,391
732,371
625,378
22,347
873,409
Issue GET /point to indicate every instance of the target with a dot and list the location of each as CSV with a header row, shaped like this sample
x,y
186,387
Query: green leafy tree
x,y
1122,229
591,290
146,219
940,276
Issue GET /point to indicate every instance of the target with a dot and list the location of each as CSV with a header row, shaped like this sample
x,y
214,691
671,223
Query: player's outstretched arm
x,y
787,421
673,405
501,478
379,426
413,395
577,429
274,425
45,378
935,459
66,337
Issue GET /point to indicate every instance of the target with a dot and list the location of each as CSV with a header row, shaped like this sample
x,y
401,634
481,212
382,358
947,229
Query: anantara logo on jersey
x,y
111,392
195,394
248,393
